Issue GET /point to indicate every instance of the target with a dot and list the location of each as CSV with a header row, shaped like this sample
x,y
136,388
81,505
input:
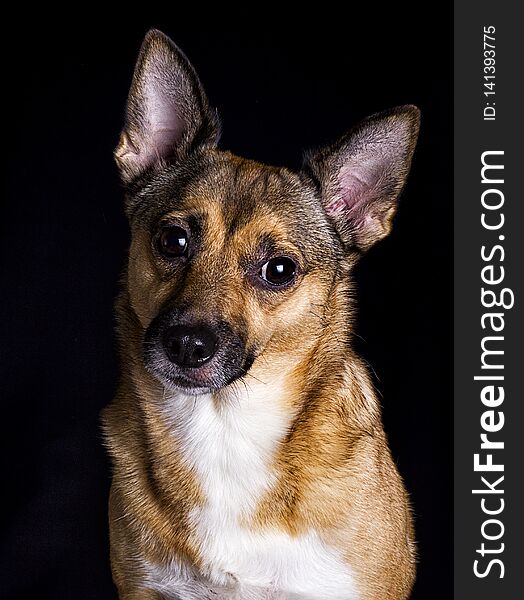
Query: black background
x,y
280,89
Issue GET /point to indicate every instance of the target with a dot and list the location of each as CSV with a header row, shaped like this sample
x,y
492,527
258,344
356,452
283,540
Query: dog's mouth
x,y
195,358
195,381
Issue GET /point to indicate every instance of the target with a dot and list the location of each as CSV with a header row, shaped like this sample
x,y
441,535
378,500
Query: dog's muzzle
x,y
194,355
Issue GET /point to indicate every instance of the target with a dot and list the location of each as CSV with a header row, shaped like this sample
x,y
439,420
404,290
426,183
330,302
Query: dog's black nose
x,y
189,346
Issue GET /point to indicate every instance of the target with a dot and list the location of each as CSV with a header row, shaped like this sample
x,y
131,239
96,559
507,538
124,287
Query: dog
x,y
249,456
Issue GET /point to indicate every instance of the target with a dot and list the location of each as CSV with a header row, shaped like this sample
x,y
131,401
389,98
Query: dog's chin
x,y
193,382
175,386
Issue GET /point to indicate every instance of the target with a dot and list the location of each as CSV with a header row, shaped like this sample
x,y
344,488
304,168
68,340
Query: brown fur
x,y
334,470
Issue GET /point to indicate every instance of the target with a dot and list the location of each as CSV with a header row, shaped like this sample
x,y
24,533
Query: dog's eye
x,y
172,241
279,270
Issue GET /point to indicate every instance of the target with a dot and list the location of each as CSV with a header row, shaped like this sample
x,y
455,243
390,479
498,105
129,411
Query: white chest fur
x,y
229,448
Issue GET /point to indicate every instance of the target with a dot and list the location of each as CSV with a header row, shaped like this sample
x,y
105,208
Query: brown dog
x,y
249,456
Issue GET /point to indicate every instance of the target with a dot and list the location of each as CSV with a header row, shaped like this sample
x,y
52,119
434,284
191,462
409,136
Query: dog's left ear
x,y
362,174
167,113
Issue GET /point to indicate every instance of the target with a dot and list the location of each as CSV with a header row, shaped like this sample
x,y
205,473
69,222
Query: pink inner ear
x,y
164,123
159,130
356,185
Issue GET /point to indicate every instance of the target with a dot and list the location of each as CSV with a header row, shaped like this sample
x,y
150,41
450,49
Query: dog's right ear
x,y
167,115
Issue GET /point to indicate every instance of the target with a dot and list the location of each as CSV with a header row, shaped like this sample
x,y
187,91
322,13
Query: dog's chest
x,y
230,451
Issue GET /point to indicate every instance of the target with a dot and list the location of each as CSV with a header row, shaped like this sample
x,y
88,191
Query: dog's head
x,y
231,259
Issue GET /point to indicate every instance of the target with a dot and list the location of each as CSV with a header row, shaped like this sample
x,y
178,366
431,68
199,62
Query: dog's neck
x,y
229,442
